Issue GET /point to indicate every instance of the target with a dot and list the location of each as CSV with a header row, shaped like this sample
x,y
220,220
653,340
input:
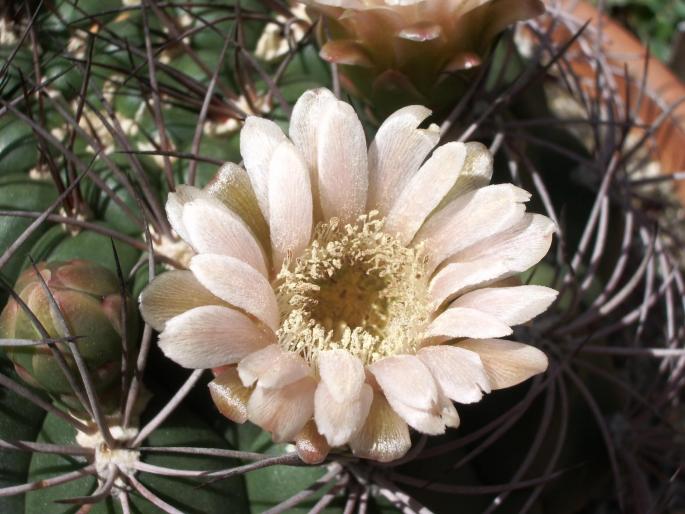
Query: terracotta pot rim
x,y
663,89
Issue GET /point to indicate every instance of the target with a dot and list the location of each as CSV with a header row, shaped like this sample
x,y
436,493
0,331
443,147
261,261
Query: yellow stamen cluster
x,y
355,288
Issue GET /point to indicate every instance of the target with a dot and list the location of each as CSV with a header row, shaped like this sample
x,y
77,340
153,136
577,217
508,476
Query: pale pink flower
x,y
342,294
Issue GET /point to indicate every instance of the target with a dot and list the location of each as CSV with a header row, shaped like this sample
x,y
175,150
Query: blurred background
x,y
657,23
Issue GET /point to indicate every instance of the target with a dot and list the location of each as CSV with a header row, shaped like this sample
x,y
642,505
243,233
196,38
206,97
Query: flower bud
x,y
90,302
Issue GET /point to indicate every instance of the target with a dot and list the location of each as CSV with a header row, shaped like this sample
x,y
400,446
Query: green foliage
x,y
270,486
19,420
18,152
17,192
81,13
96,247
655,22
20,66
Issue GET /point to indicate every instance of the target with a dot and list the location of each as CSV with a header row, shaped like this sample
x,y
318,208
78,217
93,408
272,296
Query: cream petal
x,y
425,190
518,248
407,379
495,258
425,421
174,208
412,392
342,373
463,322
238,284
170,294
259,139
252,367
342,163
211,336
458,372
507,363
456,277
338,421
475,173
304,133
231,186
396,153
448,413
290,204
286,369
305,122
510,305
215,229
285,411
471,218
229,395
384,437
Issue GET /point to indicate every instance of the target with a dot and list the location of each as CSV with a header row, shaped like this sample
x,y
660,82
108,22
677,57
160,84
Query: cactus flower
x,y
89,299
398,52
343,294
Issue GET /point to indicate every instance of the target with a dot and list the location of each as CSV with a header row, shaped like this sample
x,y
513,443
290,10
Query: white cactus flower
x,y
344,294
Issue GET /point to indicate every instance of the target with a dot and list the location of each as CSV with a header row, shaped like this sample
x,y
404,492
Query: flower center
x,y
356,288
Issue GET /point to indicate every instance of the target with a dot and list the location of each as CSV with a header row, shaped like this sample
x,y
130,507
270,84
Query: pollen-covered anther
x,y
355,288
